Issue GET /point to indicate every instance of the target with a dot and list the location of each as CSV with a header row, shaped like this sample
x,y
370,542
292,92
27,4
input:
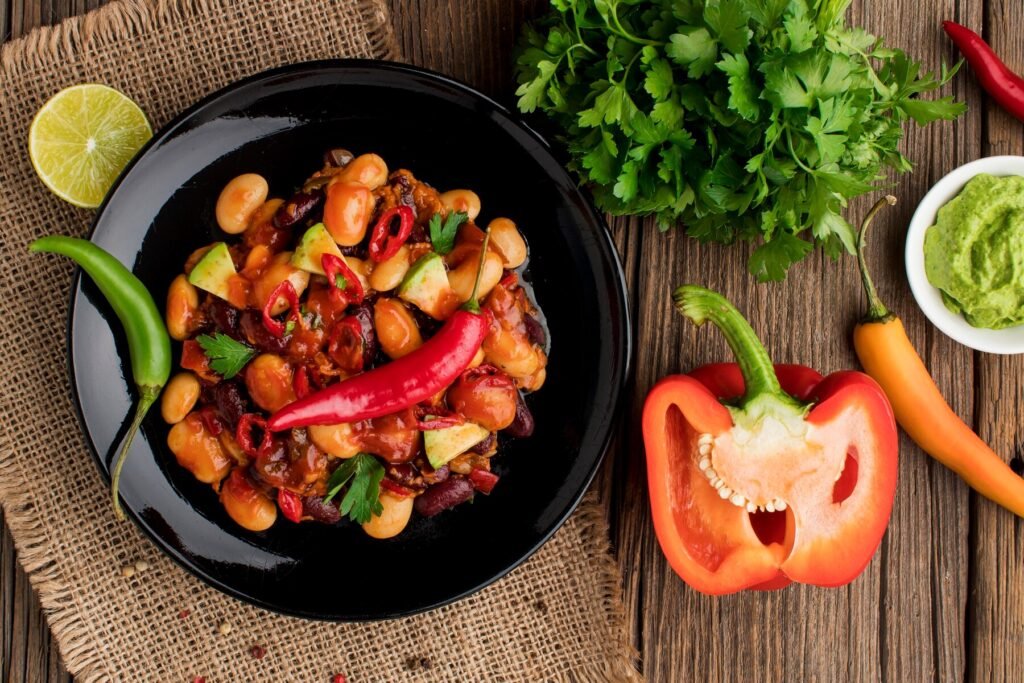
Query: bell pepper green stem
x,y
877,311
702,305
149,344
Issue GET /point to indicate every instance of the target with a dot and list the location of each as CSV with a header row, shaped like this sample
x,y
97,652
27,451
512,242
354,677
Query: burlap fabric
x,y
558,617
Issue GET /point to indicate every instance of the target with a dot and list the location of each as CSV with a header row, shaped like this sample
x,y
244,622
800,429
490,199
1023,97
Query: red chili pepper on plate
x,y
290,504
1005,86
300,383
761,475
347,346
432,422
287,290
395,488
383,243
510,280
482,480
243,434
345,287
404,382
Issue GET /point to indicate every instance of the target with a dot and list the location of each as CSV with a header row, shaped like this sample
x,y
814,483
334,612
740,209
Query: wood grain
x,y
996,618
941,599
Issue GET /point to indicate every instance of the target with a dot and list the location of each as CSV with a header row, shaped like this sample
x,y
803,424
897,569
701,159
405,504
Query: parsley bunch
x,y
750,120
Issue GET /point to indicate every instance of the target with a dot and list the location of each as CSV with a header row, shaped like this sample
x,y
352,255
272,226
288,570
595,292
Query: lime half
x,y
82,139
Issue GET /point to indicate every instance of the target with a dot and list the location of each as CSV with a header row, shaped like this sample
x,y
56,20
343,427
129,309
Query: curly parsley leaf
x,y
442,234
227,357
363,475
752,120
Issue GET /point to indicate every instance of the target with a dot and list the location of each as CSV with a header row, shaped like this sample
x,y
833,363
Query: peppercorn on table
x,y
941,599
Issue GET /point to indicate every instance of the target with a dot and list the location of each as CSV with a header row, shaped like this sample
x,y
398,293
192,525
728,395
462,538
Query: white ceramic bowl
x,y
1009,340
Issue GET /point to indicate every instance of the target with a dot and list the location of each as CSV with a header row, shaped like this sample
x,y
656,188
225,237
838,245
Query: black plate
x,y
278,124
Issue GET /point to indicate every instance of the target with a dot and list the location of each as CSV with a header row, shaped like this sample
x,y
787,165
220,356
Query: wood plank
x,y
997,571
902,620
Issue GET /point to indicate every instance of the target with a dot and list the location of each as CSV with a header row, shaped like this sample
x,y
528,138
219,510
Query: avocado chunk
x,y
313,245
214,271
444,445
426,286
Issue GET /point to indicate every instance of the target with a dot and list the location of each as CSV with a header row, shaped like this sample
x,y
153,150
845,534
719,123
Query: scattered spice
x,y
339,678
183,614
128,571
198,679
141,566
224,628
418,663
258,651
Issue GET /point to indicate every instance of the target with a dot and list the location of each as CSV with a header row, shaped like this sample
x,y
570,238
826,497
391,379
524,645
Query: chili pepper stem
x,y
763,392
877,311
147,398
473,306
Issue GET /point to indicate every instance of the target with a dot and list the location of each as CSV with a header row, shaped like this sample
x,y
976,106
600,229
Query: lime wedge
x,y
82,139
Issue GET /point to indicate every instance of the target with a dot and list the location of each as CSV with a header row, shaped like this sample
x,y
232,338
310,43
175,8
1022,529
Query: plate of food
x,y
400,333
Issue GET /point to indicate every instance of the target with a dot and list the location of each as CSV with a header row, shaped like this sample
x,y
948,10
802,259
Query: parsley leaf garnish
x,y
442,236
363,474
227,356
752,120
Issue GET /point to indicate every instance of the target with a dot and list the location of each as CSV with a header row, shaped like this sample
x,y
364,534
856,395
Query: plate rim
x,y
603,239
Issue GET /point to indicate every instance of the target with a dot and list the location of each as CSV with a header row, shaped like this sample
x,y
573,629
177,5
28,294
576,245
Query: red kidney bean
x,y
443,496
486,445
231,404
315,507
272,464
297,209
338,157
523,425
250,323
224,315
358,251
534,330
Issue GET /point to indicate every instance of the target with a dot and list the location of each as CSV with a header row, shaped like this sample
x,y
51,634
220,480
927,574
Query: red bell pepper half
x,y
761,475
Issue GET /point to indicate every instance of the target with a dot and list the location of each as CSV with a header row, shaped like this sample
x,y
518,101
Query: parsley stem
x,y
877,311
792,152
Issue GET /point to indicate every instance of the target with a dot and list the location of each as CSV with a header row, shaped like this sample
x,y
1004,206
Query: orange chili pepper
x,y
888,356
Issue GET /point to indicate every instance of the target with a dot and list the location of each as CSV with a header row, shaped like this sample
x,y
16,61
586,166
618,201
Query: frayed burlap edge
x,y
125,19
77,648
590,517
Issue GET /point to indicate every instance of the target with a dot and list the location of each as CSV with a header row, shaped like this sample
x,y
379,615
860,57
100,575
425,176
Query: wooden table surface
x,y
942,598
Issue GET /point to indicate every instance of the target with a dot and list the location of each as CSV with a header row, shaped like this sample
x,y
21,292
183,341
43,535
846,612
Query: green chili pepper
x,y
148,342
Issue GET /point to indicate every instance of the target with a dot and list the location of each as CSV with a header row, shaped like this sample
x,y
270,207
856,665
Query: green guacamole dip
x,y
974,254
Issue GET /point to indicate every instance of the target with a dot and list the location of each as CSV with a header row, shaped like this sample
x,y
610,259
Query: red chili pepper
x,y
344,285
793,481
211,421
290,504
243,434
1005,87
300,383
402,383
287,290
346,345
395,488
338,678
439,422
510,280
482,480
383,243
